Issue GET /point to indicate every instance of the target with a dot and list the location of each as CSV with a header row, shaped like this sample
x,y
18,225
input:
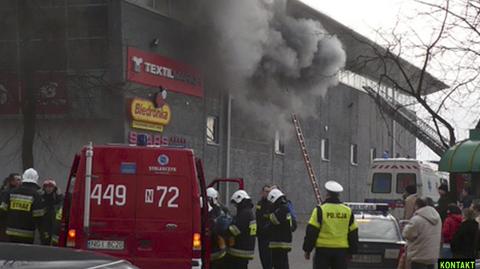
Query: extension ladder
x,y
306,158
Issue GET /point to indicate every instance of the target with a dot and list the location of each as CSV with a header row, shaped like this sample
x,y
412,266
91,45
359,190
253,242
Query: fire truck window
x,y
404,179
382,183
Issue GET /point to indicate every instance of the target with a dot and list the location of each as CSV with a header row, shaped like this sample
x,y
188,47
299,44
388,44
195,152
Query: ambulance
x,y
145,204
388,179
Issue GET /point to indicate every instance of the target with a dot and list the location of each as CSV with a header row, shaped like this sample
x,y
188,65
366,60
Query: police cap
x,y
333,186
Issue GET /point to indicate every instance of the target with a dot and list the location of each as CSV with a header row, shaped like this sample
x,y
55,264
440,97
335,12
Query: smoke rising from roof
x,y
273,64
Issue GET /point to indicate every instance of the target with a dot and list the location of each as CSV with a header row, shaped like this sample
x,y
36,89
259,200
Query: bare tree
x,y
451,52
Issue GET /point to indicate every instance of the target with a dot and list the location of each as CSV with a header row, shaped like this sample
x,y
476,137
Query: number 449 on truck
x,y
142,204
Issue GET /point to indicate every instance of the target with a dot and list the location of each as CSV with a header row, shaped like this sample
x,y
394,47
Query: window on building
x,y
373,154
212,130
279,143
325,149
354,154
382,183
162,6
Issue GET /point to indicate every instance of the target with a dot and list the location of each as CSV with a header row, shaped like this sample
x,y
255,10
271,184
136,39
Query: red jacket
x,y
450,226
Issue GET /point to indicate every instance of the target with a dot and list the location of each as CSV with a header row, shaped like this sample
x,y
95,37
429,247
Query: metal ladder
x,y
416,126
306,158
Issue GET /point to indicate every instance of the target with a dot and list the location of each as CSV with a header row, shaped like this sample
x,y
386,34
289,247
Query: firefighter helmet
x,y
49,182
239,196
30,175
212,193
274,194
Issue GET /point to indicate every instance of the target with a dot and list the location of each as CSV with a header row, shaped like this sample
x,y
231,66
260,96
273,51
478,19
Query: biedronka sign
x,y
147,116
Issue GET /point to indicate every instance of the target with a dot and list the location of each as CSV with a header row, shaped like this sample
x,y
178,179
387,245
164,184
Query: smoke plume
x,y
272,63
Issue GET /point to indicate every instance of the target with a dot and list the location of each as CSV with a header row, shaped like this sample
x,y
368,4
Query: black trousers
x,y
217,264
280,259
265,253
235,263
329,258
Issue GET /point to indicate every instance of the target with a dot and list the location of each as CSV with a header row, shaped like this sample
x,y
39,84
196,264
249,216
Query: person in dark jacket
x,y
443,201
467,197
218,218
24,209
465,241
53,201
280,229
13,181
243,231
261,214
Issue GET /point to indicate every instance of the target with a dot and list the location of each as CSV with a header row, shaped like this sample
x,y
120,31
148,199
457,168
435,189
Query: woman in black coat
x,y
464,242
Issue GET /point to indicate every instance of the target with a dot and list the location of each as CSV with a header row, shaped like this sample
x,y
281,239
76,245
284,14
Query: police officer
x,y
280,229
24,209
261,213
218,216
242,230
332,231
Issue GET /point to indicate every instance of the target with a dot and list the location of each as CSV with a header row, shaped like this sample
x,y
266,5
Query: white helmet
x,y
333,186
274,194
239,196
212,193
30,176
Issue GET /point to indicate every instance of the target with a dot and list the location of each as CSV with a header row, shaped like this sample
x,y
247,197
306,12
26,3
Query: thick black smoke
x,y
273,64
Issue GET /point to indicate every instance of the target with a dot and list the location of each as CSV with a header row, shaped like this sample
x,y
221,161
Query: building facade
x,y
98,65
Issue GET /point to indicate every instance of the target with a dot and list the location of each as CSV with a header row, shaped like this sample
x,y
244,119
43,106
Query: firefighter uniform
x,y
53,202
56,226
219,220
332,231
24,209
243,231
262,212
280,230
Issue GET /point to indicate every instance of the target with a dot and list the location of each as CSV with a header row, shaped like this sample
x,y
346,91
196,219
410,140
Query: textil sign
x,y
155,70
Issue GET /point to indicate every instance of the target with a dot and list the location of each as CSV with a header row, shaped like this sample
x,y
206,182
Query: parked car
x,y
24,256
380,238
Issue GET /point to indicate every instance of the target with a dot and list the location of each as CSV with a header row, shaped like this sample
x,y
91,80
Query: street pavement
x,y
296,259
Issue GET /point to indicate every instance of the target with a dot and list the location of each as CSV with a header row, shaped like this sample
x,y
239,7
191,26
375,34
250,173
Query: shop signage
x,y
147,116
154,70
158,139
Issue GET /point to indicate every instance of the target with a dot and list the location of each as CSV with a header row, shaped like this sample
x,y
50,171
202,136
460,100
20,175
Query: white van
x,y
388,178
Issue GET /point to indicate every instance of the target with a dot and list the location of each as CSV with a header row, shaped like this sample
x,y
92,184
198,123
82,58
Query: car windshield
x,y
378,230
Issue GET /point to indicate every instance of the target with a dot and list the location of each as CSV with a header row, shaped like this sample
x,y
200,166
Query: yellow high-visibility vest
x,y
335,226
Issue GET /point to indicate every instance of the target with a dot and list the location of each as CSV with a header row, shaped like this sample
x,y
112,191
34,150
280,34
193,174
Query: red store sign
x,y
155,70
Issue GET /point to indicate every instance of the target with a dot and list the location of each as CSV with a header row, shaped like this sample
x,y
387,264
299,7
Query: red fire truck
x,y
147,205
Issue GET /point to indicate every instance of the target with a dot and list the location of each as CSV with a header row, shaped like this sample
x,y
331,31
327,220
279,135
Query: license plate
x,y
392,253
106,244
366,258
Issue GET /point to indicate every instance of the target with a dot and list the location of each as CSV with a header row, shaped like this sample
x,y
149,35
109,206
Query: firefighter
x,y
219,221
332,231
261,214
24,209
13,181
280,229
53,201
242,230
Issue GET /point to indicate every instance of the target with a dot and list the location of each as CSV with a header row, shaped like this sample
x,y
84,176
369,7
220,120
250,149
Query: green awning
x,y
463,157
